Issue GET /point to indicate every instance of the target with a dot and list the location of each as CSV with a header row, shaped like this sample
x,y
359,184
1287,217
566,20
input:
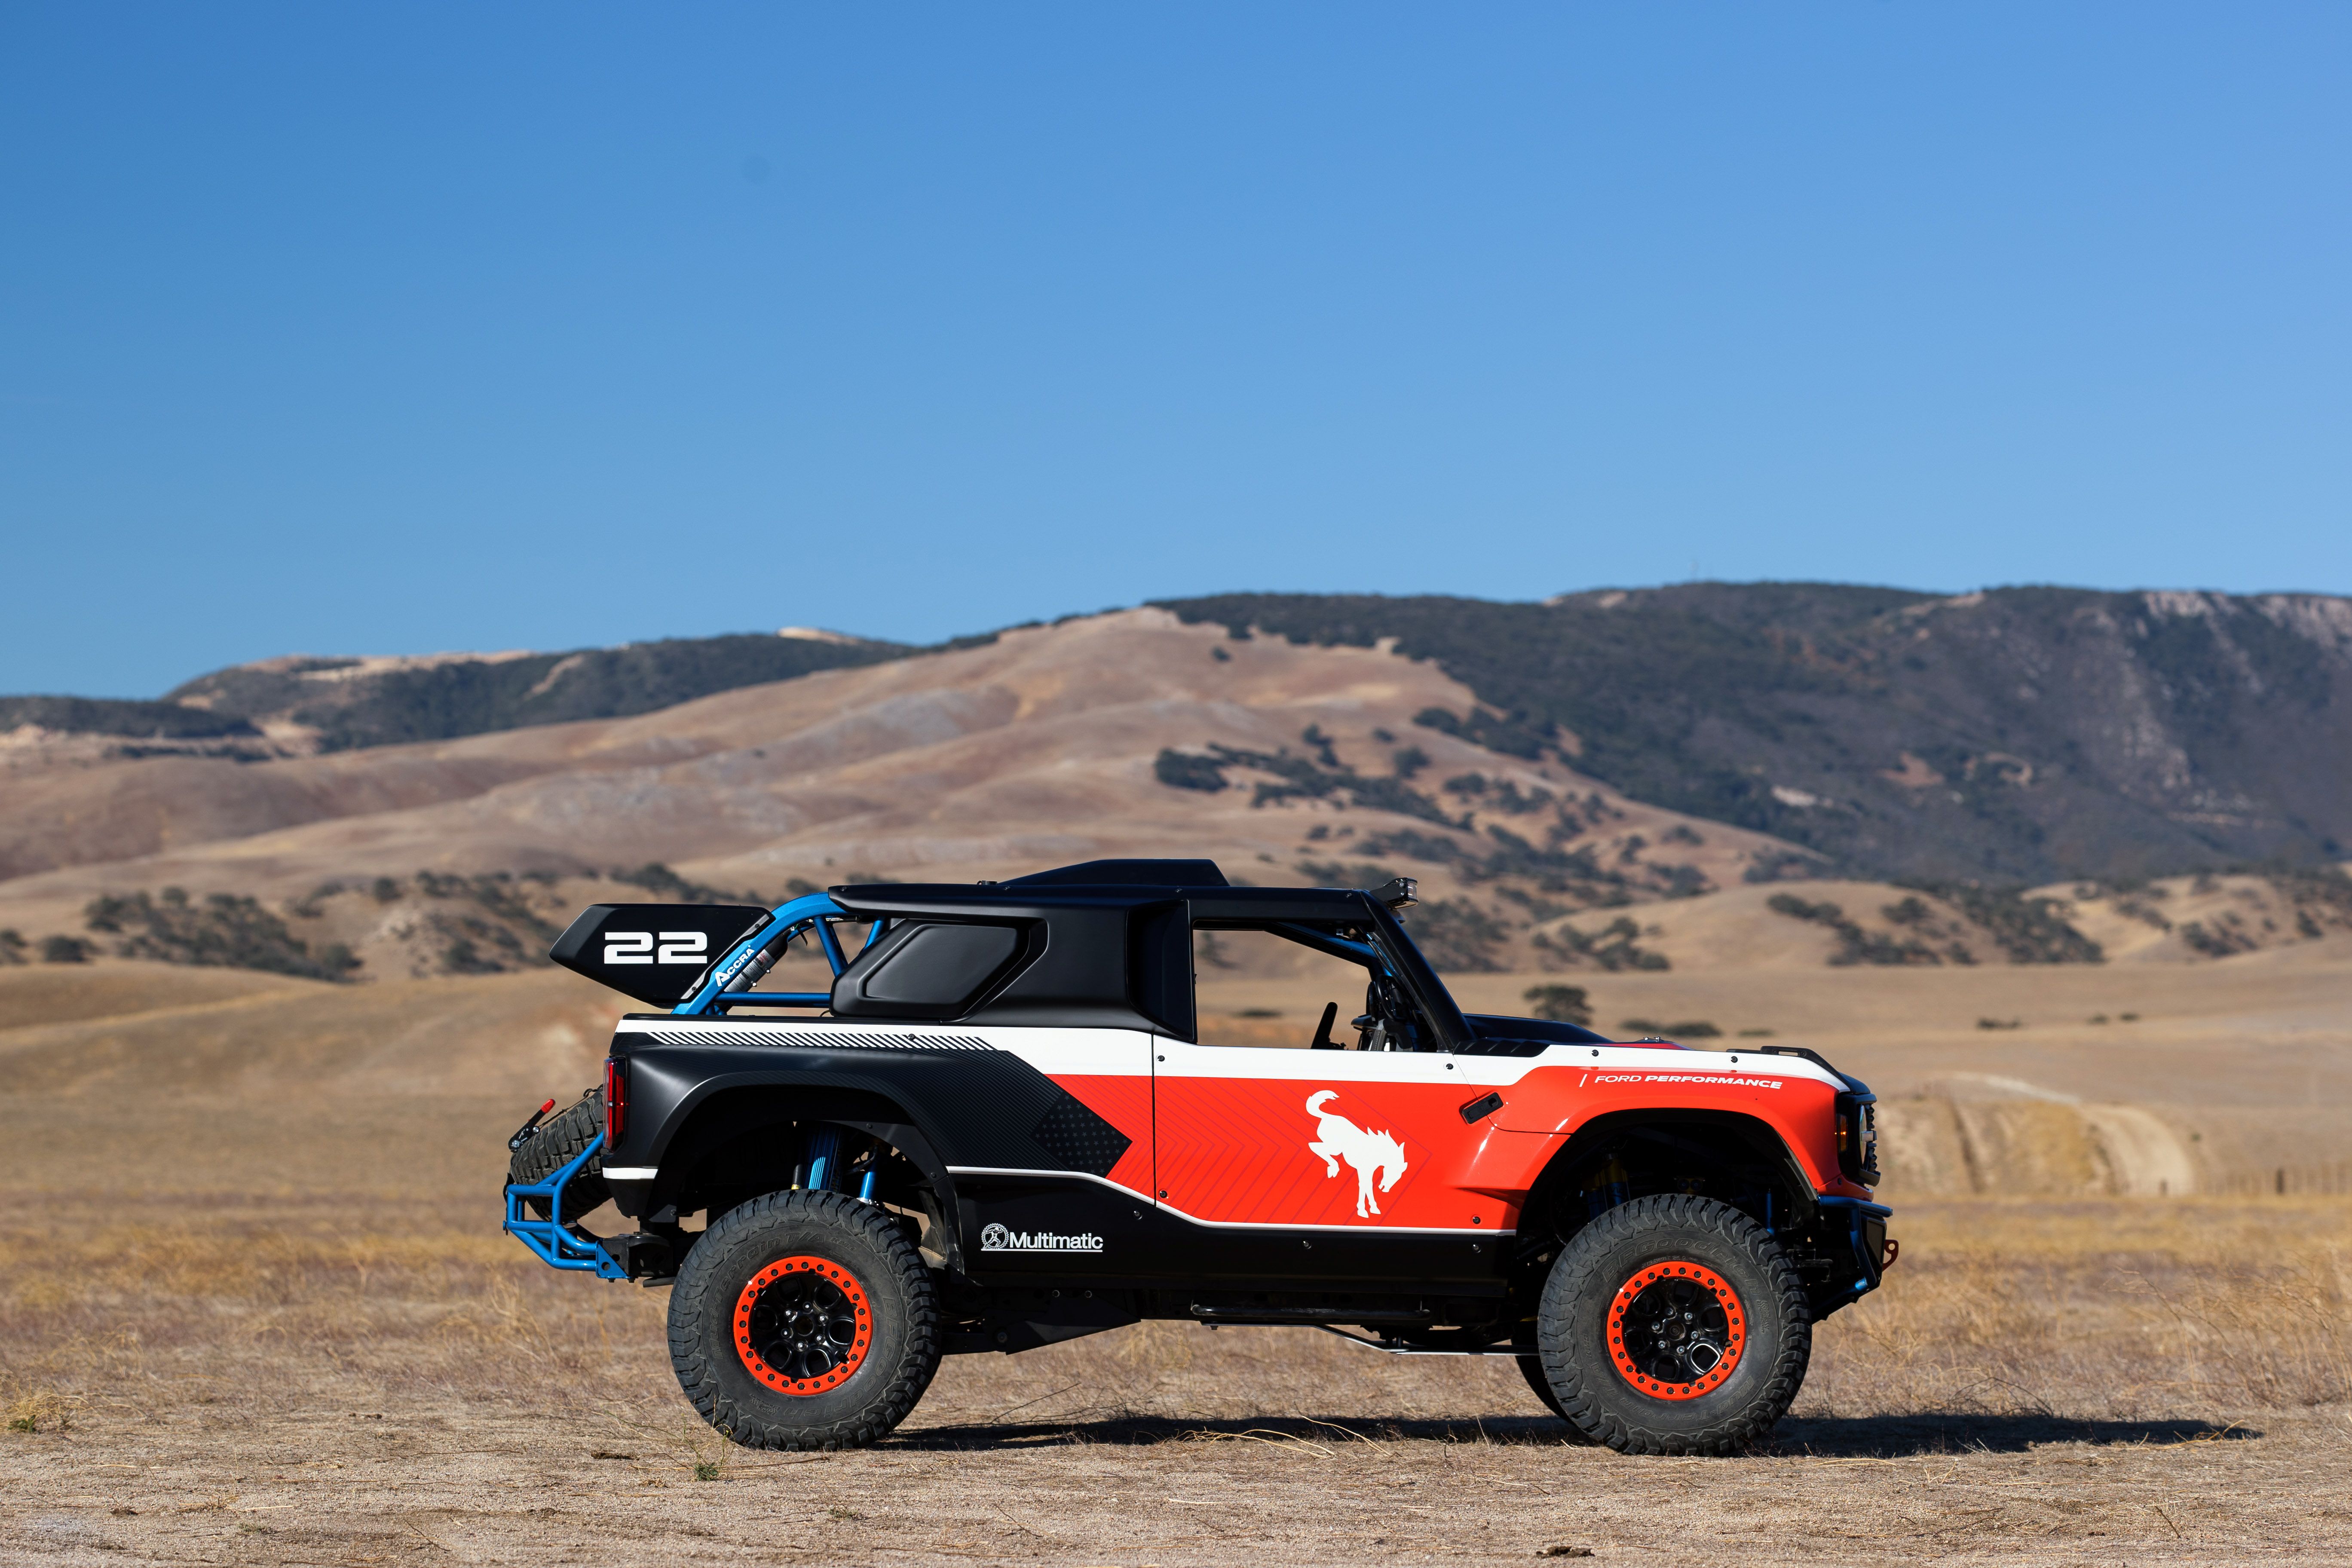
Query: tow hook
x,y
529,1129
1888,1254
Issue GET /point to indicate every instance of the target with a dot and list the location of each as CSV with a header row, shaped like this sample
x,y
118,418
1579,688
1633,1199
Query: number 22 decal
x,y
676,947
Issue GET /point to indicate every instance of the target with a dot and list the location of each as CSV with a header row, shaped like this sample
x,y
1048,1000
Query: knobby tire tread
x,y
555,1145
1585,1409
696,1303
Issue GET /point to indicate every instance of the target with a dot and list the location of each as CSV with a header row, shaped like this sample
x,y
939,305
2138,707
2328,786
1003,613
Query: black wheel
x,y
804,1321
1673,1325
556,1145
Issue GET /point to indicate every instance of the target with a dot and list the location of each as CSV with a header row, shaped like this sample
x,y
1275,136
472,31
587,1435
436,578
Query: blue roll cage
x,y
784,923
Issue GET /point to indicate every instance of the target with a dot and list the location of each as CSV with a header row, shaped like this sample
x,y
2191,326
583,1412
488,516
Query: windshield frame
x,y
1407,966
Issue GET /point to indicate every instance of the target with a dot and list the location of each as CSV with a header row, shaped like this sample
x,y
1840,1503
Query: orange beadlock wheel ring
x,y
802,1325
1676,1330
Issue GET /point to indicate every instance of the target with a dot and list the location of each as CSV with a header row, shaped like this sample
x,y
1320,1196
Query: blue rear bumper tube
x,y
560,1245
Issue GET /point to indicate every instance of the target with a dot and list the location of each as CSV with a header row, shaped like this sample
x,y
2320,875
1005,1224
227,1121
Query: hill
x,y
1123,733
2015,735
306,704
1544,768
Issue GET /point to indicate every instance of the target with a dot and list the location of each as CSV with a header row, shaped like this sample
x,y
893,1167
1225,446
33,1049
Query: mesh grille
x,y
821,1040
1079,1139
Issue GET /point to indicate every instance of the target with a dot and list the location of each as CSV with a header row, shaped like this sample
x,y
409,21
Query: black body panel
x,y
1126,873
1495,1036
1144,1246
974,1104
932,970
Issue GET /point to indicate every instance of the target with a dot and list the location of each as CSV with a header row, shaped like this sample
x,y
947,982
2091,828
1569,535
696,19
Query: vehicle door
x,y
1273,1121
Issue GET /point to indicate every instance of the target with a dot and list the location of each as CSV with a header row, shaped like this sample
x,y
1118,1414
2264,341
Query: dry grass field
x,y
254,1308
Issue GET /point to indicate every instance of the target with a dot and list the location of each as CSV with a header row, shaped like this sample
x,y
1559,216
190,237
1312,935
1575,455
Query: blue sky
x,y
336,329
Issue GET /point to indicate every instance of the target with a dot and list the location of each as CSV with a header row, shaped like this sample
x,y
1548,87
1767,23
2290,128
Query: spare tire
x,y
556,1145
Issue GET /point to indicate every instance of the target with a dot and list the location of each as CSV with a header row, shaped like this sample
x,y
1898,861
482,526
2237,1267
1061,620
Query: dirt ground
x,y
254,1308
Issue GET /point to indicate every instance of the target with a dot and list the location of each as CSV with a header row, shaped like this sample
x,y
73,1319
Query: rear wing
x,y
653,952
698,960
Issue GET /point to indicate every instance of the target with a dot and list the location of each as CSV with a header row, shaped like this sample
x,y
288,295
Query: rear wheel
x,y
803,1321
1673,1325
1532,1368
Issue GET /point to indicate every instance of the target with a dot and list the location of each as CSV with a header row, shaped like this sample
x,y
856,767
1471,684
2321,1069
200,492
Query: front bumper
x,y
1852,1235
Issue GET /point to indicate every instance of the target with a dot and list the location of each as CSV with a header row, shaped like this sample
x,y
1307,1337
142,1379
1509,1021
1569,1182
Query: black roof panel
x,y
1127,873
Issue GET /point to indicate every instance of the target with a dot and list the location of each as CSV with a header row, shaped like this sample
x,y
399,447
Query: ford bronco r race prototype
x,y
1007,1124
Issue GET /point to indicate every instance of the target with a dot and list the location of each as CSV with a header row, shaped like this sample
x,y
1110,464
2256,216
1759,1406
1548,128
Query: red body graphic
x,y
1246,1147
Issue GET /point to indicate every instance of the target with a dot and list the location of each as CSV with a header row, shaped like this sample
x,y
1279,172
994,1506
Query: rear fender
x,y
723,1124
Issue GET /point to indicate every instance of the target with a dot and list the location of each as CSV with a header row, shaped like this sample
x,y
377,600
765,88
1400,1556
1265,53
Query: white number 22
x,y
676,947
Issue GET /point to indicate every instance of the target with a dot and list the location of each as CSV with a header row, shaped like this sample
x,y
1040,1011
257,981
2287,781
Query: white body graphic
x,y
1337,1139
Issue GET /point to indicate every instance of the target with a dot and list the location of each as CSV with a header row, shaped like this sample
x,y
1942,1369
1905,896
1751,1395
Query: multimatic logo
x,y
996,1239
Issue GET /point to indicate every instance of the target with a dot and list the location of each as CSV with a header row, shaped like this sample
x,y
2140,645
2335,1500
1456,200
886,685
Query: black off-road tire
x,y
556,1145
858,1238
1624,1244
1532,1368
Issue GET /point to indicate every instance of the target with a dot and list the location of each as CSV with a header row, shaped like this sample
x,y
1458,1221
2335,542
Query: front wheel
x,y
1673,1325
1532,1368
804,1321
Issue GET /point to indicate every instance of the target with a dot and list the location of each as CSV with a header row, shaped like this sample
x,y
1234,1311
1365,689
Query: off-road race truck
x,y
1007,1124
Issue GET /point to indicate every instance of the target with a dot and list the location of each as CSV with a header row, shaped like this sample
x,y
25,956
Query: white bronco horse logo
x,y
1337,1138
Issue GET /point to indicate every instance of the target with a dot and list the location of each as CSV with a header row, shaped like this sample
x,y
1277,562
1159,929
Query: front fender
x,y
1800,1111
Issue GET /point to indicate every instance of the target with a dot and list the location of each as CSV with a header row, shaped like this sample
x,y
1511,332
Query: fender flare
x,y
723,1106
1759,1136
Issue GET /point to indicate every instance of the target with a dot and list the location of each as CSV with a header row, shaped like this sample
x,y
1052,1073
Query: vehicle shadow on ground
x,y
1894,1437
1863,1436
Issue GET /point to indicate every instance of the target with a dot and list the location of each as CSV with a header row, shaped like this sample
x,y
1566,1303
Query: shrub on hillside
x,y
1182,770
1513,734
1561,1003
1613,947
1694,1030
223,931
1856,945
1456,936
2028,930
656,877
